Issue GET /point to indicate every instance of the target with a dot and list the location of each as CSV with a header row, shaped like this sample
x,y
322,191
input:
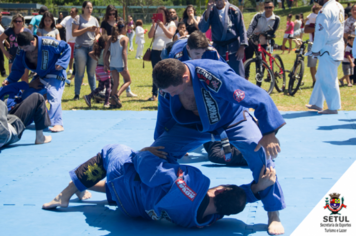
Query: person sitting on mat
x,y
148,186
13,122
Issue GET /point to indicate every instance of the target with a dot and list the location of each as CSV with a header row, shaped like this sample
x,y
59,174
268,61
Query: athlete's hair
x,y
49,15
231,201
117,30
168,72
25,38
198,40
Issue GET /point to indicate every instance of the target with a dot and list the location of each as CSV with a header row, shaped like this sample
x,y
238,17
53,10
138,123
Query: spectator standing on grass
x,y
131,31
2,59
109,21
17,25
163,32
288,34
297,26
190,19
85,27
140,39
228,32
47,27
310,28
62,31
35,21
348,62
174,16
67,24
349,29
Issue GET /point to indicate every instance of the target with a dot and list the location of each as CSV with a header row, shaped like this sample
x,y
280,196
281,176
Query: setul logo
x,y
335,205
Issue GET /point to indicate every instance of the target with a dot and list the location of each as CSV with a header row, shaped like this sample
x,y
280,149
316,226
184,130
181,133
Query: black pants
x,y
216,154
353,77
155,58
33,108
2,66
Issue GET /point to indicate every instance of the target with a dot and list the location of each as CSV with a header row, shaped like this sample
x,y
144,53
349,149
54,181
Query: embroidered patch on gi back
x,y
50,42
211,107
183,187
45,59
239,95
212,82
178,55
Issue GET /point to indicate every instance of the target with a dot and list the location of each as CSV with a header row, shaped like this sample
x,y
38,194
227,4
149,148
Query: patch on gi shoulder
x,y
45,59
163,94
183,187
211,107
239,95
50,42
212,82
178,55
320,27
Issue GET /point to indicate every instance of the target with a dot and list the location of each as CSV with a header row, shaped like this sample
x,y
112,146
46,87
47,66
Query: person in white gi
x,y
329,47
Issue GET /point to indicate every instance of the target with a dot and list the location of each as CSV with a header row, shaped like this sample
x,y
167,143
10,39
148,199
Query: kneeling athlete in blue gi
x,y
49,58
205,99
144,185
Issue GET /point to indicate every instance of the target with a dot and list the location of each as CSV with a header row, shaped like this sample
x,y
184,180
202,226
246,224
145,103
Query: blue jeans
x,y
131,36
82,59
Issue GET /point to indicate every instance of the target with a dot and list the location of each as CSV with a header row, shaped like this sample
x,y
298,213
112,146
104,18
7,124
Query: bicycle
x,y
297,72
273,75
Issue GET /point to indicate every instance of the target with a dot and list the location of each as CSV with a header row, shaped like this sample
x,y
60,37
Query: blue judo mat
x,y
316,151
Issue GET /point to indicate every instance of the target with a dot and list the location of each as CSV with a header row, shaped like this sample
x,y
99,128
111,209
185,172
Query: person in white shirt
x,y
140,39
67,24
329,47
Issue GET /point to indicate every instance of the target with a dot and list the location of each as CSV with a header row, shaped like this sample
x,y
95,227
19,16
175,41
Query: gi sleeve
x,y
65,50
163,115
204,25
236,89
250,196
17,69
241,30
321,33
154,171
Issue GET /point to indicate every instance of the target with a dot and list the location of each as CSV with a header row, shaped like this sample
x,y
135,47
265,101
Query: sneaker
x,y
153,98
107,105
130,94
87,100
115,101
76,98
4,75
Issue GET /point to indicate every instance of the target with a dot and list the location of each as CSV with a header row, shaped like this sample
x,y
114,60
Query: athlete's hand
x,y
156,151
58,67
266,179
240,53
36,84
271,145
5,82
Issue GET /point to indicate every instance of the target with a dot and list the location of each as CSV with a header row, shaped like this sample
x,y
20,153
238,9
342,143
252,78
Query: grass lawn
x,y
142,80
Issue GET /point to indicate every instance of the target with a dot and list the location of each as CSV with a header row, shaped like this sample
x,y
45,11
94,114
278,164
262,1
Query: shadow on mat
x,y
33,127
107,221
349,120
223,165
332,127
351,141
300,114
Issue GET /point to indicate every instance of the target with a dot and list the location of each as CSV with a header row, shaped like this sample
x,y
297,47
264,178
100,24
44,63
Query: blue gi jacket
x,y
179,51
221,96
232,28
154,189
12,90
51,52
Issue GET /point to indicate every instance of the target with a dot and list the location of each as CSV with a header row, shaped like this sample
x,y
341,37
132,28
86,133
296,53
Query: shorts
x,y
72,50
118,69
311,60
288,36
101,74
347,69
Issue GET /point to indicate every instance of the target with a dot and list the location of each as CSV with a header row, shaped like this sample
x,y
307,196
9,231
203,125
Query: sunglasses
x,y
18,21
268,7
112,14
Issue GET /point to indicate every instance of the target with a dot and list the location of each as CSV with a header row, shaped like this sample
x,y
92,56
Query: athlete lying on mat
x,y
145,185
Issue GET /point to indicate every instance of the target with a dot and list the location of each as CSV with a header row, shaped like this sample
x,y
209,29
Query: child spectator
x,y
140,39
117,52
182,31
348,62
47,27
102,75
288,34
297,26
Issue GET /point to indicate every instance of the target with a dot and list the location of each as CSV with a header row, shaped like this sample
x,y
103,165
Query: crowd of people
x,y
200,83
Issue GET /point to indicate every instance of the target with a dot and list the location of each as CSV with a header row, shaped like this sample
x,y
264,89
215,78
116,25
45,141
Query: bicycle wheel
x,y
264,78
279,74
296,77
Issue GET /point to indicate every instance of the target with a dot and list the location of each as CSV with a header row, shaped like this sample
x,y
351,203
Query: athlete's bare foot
x,y
83,195
327,111
62,200
56,128
44,139
313,107
275,226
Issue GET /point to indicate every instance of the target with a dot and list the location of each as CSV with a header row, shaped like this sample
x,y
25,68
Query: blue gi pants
x,y
54,90
244,136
